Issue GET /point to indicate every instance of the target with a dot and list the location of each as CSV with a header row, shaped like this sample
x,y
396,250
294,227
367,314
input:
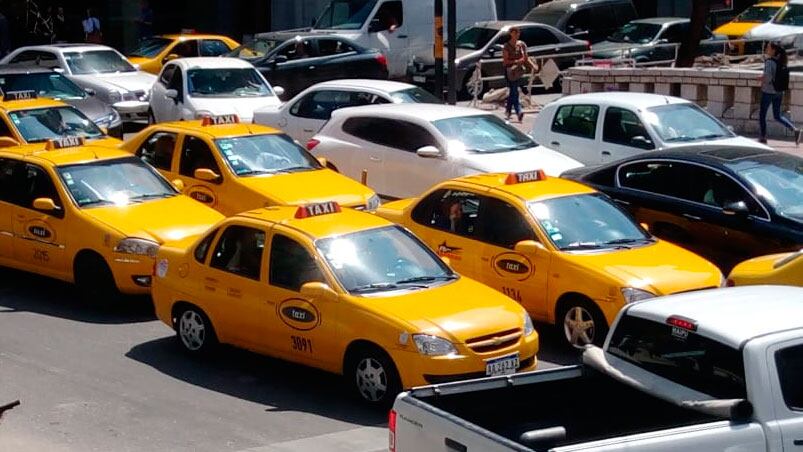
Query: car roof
x,y
712,155
551,187
622,98
382,85
770,3
217,131
66,156
39,102
212,63
317,227
733,315
191,36
565,5
661,20
427,112
58,48
500,24
13,69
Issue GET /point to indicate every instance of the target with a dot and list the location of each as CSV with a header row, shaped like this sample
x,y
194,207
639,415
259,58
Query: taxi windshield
x,y
757,14
150,47
42,124
383,259
482,134
587,222
45,84
97,62
117,182
265,154
229,82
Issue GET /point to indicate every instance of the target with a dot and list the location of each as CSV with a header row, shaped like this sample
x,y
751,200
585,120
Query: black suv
x,y
592,20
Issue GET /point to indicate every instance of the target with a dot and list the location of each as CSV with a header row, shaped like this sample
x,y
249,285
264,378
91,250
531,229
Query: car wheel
x,y
582,323
94,279
194,330
151,117
373,376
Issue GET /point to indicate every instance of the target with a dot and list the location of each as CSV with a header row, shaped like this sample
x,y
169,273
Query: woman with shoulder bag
x,y
774,81
515,61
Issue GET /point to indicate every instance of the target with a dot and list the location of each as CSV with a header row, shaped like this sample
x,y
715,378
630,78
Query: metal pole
x,y
438,49
452,24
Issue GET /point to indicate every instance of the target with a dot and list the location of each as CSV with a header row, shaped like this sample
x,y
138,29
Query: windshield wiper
x,y
294,169
627,241
710,136
374,286
583,246
420,279
152,196
96,202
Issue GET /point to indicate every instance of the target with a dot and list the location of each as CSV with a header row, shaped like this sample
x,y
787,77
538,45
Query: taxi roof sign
x,y
19,95
64,142
527,176
219,120
317,209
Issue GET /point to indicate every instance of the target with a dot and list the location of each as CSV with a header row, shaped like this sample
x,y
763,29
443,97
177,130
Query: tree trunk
x,y
688,47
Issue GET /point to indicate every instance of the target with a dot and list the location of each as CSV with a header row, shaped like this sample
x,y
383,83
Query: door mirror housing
x,y
45,204
529,247
318,291
430,152
642,142
278,59
323,162
172,94
662,41
170,57
206,174
7,142
279,91
736,209
178,184
90,91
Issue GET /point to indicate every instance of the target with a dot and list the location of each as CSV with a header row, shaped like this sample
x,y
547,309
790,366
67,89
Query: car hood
x,y
736,29
539,157
159,219
241,106
138,61
737,140
92,107
127,81
661,268
318,186
769,31
458,311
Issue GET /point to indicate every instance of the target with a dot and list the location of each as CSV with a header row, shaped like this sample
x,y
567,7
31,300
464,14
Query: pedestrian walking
x,y
60,25
514,59
92,33
774,81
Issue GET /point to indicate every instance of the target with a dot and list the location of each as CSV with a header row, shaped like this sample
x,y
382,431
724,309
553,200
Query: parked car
x,y
781,268
94,67
407,148
303,116
653,40
788,21
716,370
297,61
726,203
753,16
593,20
153,52
483,42
48,83
191,88
598,128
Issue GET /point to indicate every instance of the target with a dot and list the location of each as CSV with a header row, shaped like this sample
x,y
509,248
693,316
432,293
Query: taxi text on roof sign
x,y
527,176
314,210
64,142
219,120
19,95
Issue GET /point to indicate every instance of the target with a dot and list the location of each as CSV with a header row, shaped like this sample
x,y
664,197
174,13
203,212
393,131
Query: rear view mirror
x,y
171,94
206,174
44,204
736,209
428,152
317,291
528,247
641,142
90,91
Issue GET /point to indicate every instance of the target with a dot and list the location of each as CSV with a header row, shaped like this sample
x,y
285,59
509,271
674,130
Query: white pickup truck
x,y
716,370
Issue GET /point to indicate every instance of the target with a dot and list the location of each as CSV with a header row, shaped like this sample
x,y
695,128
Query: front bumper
x,y
132,273
132,110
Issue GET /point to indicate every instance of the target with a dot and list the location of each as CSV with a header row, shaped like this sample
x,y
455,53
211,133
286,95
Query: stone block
x,y
797,97
744,94
693,92
663,88
716,108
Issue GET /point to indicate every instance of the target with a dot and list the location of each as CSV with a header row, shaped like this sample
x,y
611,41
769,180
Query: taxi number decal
x,y
512,293
41,256
301,344
202,197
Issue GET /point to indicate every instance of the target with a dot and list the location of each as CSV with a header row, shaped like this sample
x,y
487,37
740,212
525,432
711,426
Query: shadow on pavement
x,y
280,385
552,348
26,292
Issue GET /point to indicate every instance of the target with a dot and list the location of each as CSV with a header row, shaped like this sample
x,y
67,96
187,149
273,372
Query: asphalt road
x,y
113,378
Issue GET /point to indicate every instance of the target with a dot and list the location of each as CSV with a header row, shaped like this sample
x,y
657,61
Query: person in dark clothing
x,y
60,26
775,59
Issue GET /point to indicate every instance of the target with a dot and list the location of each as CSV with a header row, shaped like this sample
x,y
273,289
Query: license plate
x,y
505,365
419,79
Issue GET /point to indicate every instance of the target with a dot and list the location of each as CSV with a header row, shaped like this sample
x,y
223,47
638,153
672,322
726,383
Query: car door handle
x,y
308,130
798,442
555,143
402,36
312,67
691,217
606,152
454,446
375,159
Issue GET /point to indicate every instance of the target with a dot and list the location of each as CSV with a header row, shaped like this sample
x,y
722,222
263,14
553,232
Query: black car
x,y
725,203
298,61
48,83
592,20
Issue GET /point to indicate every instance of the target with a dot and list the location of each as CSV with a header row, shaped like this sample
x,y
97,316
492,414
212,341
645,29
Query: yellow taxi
x,y
26,119
564,251
783,268
234,167
152,53
89,214
753,16
341,290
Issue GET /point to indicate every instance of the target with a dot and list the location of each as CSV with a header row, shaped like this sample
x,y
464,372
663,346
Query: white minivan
x,y
401,29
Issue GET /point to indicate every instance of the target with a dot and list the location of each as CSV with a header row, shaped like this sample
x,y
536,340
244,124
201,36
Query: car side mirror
x,y
7,142
170,57
279,91
317,291
172,94
278,59
206,174
528,247
90,91
662,41
645,226
178,184
44,204
736,209
430,152
642,142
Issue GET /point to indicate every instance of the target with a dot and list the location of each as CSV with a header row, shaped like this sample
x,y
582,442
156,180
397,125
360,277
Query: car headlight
x,y
528,325
373,203
115,96
433,345
140,247
632,294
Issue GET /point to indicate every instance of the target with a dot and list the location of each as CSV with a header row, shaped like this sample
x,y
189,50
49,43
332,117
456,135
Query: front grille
x,y
495,341
437,379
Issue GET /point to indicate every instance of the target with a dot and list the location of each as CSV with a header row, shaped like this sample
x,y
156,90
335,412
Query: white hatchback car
x,y
304,115
407,148
191,88
596,128
788,21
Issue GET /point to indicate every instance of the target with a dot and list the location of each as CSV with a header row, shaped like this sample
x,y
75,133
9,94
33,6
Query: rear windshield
x,y
682,356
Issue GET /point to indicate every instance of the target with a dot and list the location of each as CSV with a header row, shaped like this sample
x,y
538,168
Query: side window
x,y
27,56
203,248
213,47
38,184
186,49
655,177
297,50
718,190
157,150
401,135
790,371
537,36
5,131
329,47
177,82
195,154
505,226
239,251
624,127
321,104
453,211
11,178
674,33
389,16
291,265
577,120
167,74
579,21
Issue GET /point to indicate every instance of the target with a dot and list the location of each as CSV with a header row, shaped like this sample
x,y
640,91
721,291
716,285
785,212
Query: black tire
x,y
580,322
372,376
94,280
194,330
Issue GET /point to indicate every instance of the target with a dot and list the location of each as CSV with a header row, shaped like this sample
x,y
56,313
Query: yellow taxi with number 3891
x,y
567,253
340,290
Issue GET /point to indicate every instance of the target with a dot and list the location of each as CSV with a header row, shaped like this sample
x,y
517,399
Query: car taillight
x,y
382,60
682,322
392,431
312,143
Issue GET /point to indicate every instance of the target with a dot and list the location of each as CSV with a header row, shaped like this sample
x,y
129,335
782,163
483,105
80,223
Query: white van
x,y
401,29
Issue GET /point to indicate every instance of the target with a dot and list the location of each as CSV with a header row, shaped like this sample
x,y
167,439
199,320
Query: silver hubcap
x,y
191,329
372,381
578,326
